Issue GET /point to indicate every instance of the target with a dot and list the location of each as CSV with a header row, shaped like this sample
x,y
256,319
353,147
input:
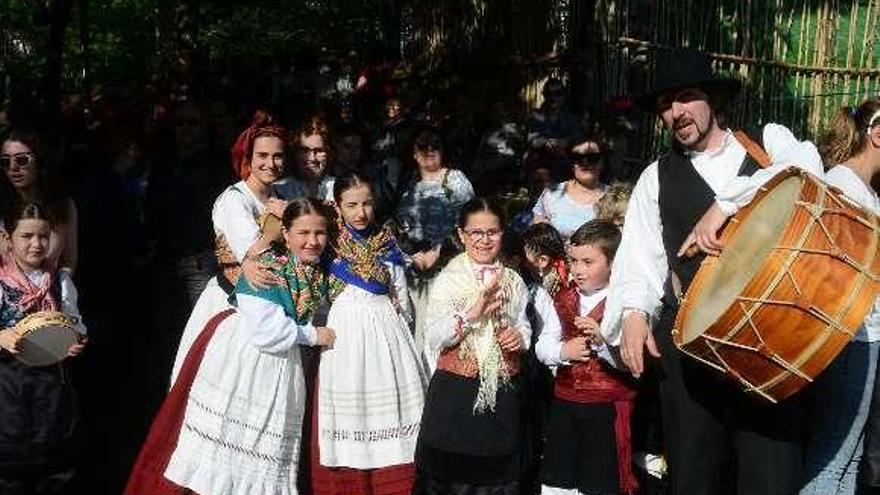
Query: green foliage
x,y
129,40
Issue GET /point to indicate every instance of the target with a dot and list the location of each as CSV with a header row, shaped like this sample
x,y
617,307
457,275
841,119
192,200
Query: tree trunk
x,y
84,45
59,17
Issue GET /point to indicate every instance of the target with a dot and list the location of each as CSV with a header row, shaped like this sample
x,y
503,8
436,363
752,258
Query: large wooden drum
x,y
798,275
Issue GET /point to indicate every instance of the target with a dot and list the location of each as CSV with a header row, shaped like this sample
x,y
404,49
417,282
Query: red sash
x,y
595,382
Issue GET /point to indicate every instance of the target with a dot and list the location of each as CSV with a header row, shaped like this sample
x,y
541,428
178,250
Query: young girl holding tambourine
x,y
36,403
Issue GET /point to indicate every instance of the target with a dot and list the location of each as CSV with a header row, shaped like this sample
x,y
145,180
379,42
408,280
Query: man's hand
x,y
704,237
635,337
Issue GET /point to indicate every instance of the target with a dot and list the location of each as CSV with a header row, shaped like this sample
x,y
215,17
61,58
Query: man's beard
x,y
696,136
311,172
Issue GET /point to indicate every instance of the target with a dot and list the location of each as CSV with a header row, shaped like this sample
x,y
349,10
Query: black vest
x,y
683,198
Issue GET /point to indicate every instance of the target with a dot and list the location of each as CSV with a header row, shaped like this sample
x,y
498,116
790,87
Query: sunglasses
x,y
20,160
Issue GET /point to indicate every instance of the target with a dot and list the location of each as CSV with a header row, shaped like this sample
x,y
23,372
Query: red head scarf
x,y
261,126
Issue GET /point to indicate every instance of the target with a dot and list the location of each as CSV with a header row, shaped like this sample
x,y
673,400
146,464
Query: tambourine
x,y
45,338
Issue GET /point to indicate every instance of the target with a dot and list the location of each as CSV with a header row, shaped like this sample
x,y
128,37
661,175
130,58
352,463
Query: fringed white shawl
x,y
455,290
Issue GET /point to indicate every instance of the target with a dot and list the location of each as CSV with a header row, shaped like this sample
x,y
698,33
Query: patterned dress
x,y
428,210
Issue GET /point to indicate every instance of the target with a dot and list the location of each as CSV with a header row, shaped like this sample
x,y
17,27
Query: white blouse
x,y
271,330
640,266
844,178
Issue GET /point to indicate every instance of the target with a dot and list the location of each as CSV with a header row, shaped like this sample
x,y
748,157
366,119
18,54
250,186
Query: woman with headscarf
x,y
258,159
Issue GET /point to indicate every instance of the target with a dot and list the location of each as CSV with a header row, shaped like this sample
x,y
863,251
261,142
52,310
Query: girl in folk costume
x,y
36,403
469,441
851,146
371,385
258,158
234,428
545,257
545,262
587,447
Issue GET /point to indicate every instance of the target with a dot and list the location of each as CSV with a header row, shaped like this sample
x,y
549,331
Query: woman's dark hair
x,y
601,233
449,248
314,126
428,137
23,210
50,194
308,206
479,205
349,180
544,239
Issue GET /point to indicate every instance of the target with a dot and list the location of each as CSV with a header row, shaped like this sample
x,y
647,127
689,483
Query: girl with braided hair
x,y
232,423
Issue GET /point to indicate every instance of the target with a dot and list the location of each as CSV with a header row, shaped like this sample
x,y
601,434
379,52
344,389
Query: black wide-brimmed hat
x,y
676,69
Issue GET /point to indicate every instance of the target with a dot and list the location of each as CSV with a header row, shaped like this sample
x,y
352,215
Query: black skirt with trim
x,y
457,447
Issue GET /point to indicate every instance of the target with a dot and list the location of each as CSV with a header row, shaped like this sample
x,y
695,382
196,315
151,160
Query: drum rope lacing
x,y
816,211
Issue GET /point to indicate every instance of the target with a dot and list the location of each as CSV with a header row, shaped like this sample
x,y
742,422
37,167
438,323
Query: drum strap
x,y
753,149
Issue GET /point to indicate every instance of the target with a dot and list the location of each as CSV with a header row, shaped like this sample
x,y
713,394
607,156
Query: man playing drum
x,y
677,208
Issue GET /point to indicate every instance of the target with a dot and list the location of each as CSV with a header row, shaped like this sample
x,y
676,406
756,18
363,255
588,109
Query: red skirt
x,y
391,480
148,474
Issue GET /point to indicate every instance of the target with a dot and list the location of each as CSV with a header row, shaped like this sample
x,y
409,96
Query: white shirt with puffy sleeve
x,y
640,266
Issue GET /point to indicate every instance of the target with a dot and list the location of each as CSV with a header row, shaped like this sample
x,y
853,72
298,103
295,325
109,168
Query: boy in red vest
x,y
587,448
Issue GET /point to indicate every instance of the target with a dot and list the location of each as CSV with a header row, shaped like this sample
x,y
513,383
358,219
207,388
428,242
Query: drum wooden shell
x,y
796,279
45,338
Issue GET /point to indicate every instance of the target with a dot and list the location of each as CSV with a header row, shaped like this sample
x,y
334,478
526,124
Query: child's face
x,y
589,267
30,243
307,237
357,207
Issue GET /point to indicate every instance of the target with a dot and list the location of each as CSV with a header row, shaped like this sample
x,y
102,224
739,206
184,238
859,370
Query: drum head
x,y
742,257
46,345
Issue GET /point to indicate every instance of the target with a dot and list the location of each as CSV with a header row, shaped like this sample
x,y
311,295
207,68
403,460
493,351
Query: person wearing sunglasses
x,y
428,208
27,178
568,205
